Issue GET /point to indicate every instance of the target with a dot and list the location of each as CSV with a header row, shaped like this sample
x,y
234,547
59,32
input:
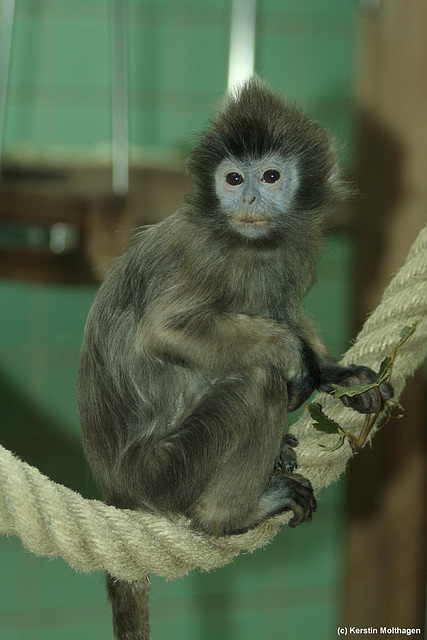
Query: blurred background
x,y
99,103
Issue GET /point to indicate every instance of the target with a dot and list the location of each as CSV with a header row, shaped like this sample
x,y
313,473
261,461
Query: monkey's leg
x,y
129,603
244,489
216,466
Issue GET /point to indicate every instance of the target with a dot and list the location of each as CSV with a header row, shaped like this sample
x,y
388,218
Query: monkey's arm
x,y
210,341
330,375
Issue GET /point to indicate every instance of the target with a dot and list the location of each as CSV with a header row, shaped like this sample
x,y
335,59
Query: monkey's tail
x,y
129,603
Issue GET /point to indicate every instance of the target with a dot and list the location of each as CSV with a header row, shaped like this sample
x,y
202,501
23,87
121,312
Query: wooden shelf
x,y
33,199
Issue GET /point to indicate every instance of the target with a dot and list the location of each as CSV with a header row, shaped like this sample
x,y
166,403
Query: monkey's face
x,y
256,194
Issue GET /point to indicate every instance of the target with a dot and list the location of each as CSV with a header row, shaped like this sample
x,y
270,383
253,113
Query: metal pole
x,y
7,12
120,134
242,41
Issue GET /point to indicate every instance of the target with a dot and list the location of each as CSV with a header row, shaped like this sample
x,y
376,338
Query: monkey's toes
x,y
287,460
290,439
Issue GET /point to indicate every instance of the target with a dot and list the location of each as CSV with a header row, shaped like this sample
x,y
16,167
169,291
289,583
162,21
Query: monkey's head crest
x,y
253,123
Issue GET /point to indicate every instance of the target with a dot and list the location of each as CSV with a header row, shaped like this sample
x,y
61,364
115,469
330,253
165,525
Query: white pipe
x,y
241,62
120,134
7,11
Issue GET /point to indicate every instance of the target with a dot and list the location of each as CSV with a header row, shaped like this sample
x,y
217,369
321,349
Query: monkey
x,y
197,344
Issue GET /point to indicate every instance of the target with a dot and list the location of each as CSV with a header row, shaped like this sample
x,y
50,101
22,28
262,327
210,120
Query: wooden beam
x,y
385,543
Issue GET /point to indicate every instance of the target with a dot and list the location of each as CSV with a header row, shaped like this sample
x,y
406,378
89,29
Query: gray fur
x,y
197,345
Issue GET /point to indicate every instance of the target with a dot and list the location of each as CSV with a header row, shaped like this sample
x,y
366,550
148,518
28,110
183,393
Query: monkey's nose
x,y
249,197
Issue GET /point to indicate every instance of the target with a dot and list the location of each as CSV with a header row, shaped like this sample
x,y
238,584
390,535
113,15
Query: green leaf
x,y
405,334
353,390
321,421
407,331
383,372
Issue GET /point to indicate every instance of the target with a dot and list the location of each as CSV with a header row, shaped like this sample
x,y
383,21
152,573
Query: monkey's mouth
x,y
250,222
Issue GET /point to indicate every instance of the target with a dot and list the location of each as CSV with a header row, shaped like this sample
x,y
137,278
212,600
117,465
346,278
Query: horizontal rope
x,y
52,520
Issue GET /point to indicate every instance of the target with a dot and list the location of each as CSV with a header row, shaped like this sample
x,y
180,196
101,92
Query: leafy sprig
x,y
323,423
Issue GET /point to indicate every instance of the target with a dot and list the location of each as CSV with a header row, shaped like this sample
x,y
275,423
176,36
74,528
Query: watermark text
x,y
378,631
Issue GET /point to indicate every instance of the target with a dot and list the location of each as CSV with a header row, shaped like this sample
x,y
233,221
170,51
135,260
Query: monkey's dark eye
x,y
270,176
234,178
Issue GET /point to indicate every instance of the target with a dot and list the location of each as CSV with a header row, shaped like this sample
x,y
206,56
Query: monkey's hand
x,y
287,460
333,375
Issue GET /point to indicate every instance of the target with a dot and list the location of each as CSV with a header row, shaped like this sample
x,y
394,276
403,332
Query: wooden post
x,y
385,543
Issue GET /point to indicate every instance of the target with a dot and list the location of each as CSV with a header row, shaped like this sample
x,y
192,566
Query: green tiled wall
x,y
60,79
59,104
292,586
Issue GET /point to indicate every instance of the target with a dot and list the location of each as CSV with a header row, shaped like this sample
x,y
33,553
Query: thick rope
x,y
52,520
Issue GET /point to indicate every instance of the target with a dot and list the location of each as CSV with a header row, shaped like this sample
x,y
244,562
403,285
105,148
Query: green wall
x,y
59,101
292,585
59,110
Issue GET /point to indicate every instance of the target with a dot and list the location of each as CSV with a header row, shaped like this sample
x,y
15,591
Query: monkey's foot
x,y
301,499
287,460
296,495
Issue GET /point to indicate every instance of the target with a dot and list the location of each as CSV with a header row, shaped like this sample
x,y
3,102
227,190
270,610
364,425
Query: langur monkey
x,y
197,344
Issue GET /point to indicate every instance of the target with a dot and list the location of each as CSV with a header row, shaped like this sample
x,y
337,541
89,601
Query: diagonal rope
x,y
52,520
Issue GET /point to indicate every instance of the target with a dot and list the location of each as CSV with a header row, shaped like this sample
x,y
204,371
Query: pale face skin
x,y
255,193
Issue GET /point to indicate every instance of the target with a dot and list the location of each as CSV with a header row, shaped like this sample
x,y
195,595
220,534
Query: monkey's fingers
x,y
368,402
